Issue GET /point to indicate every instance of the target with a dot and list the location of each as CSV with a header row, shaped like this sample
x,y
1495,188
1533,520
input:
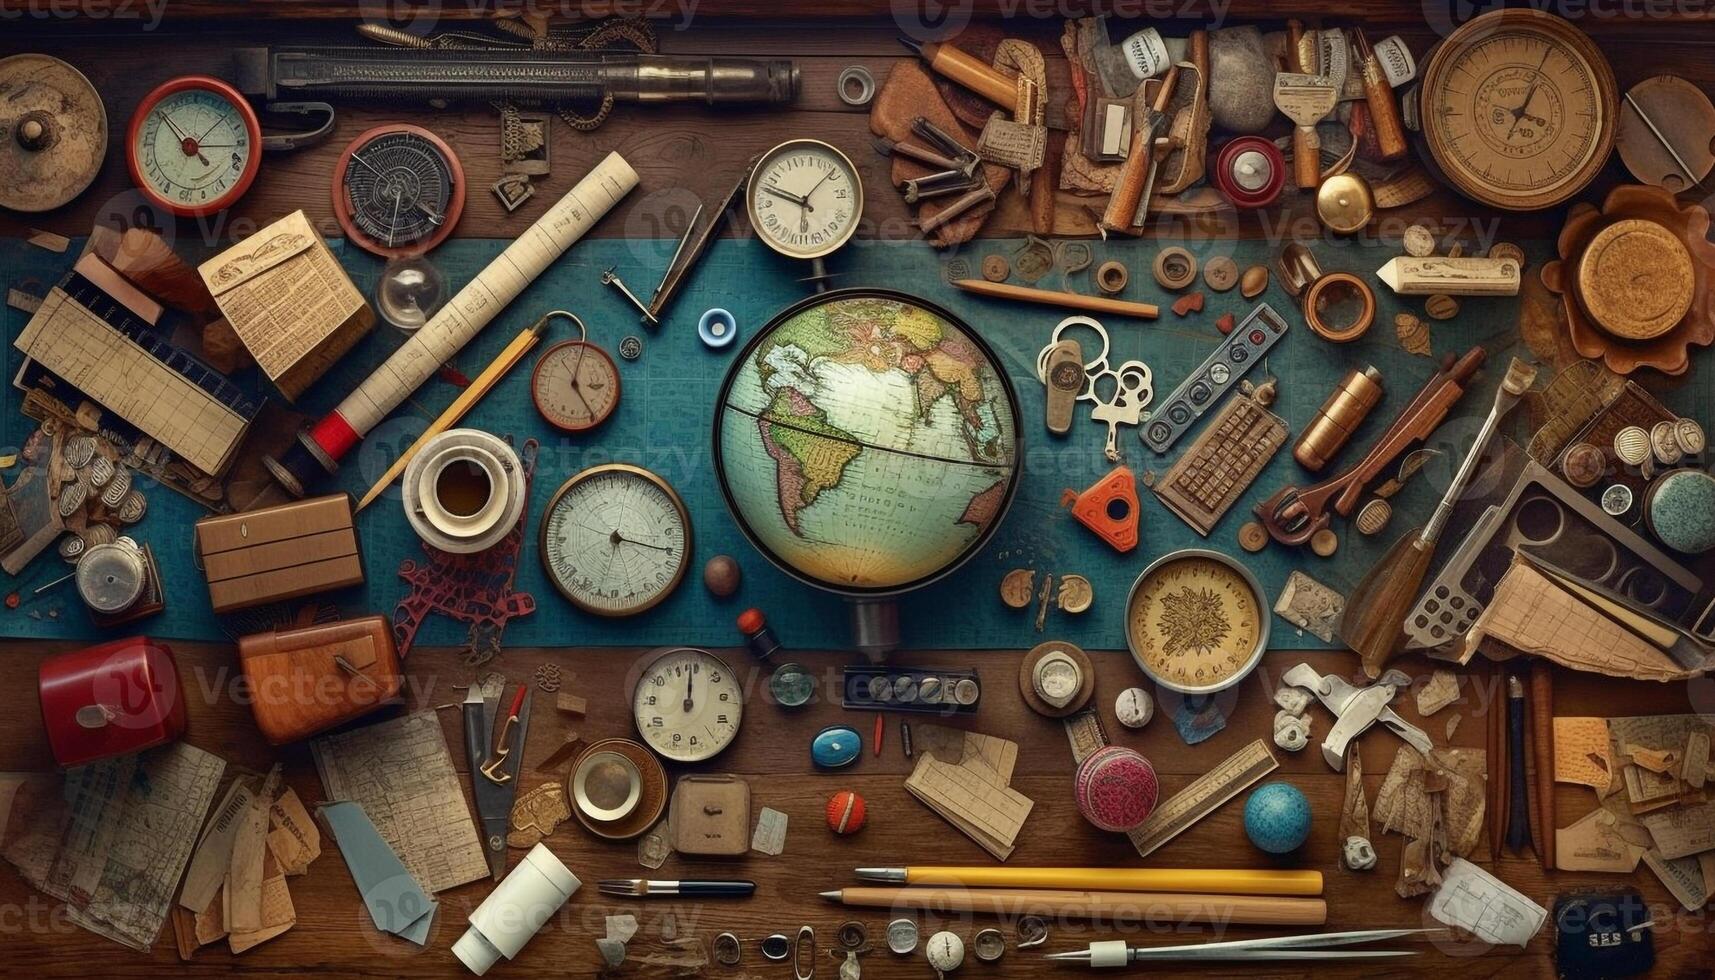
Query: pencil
x,y
472,394
1055,297
1096,905
1207,881
1542,756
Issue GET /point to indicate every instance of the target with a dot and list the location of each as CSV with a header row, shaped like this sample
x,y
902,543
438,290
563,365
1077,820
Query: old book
x,y
288,300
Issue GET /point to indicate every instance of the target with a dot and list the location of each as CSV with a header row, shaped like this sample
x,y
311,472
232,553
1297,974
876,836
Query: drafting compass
x,y
398,190
1355,709
494,787
576,384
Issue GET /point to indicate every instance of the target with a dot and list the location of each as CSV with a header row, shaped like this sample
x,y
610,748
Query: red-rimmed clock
x,y
194,146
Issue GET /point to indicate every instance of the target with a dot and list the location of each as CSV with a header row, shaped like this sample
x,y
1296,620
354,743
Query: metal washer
x,y
902,936
865,85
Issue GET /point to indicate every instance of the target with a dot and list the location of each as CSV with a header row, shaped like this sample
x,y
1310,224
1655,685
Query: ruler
x,y
1205,795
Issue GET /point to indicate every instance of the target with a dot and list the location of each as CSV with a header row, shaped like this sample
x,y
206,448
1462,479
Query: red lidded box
x,y
111,699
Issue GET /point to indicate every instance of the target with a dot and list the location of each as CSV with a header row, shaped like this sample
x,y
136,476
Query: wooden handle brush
x,y
1374,622
1306,145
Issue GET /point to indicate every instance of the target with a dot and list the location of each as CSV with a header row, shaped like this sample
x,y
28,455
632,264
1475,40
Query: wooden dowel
x,y
1542,757
1054,297
1136,906
970,71
1206,881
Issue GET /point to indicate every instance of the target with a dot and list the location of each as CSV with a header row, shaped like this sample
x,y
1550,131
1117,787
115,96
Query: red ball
x,y
845,812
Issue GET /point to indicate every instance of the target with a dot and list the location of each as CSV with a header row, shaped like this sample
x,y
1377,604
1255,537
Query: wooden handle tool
x,y
1542,757
1148,121
1306,145
1140,906
1378,95
967,70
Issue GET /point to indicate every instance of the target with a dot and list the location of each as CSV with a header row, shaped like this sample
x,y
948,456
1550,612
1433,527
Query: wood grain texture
x,y
334,937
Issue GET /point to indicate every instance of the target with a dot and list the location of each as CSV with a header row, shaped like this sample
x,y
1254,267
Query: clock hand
x,y
217,121
1529,93
788,195
394,221
688,678
817,184
177,132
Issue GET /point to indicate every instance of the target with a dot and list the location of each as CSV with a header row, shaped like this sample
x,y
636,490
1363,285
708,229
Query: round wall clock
x,y
1518,109
194,146
804,198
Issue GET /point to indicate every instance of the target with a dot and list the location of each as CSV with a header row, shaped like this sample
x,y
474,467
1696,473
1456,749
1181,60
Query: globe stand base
x,y
875,627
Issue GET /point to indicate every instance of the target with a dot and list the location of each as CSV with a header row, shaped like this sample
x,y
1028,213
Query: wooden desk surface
x,y
686,149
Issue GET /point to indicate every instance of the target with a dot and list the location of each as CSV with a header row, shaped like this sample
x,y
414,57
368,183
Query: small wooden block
x,y
570,703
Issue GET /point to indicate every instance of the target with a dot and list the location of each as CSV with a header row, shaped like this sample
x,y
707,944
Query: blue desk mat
x,y
664,423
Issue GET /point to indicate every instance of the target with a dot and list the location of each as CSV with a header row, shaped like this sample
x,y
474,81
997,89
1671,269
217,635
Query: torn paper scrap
x,y
1485,906
770,835
397,903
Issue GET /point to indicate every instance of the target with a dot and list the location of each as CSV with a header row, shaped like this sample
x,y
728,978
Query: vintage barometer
x,y
1518,109
804,198
194,146
687,704
1196,621
616,540
398,190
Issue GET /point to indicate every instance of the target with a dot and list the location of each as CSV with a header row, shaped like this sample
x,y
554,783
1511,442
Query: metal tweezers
x,y
1276,948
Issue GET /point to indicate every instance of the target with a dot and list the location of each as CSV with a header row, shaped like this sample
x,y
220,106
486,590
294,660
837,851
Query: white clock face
x,y
194,148
615,540
805,198
687,705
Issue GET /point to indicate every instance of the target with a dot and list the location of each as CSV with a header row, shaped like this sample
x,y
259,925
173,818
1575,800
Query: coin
x,y
966,692
880,688
929,690
100,472
1632,445
1419,241
905,689
1252,537
1221,274
1325,542
1617,499
132,507
1507,250
902,936
1075,593
71,548
989,945
117,487
1017,587
1690,436
996,268
1664,442
1583,465
72,496
631,348
1441,307
79,451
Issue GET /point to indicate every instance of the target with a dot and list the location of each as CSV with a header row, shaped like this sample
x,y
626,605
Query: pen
x,y
645,887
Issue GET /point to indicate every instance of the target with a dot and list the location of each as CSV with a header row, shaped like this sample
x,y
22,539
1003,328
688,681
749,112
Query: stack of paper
x,y
964,777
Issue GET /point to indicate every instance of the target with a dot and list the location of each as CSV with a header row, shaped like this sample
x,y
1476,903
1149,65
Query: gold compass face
x,y
1519,109
1196,622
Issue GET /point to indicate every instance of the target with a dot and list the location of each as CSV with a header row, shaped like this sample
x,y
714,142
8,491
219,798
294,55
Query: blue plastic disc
x,y
717,328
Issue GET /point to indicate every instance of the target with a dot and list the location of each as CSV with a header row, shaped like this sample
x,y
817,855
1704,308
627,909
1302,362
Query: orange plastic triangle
x,y
1109,508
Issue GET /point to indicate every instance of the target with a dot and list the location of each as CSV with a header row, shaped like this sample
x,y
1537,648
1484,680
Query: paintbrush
x,y
1374,621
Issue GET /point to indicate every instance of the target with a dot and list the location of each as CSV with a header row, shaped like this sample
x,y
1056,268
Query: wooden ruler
x,y
1206,794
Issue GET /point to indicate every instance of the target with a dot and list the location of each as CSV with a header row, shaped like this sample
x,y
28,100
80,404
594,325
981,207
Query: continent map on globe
x,y
867,442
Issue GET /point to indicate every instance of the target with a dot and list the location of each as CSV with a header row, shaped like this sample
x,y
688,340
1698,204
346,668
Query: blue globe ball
x,y
1277,817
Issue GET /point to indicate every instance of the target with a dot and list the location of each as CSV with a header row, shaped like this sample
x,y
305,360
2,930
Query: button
x,y
1199,393
1257,337
1179,413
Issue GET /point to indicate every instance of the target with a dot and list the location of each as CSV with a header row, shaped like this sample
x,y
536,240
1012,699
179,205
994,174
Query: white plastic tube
x,y
517,907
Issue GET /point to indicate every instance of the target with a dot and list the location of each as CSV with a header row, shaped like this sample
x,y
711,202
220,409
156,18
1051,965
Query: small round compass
x,y
398,190
575,386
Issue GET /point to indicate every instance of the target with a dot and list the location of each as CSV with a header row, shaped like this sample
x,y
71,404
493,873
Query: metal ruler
x,y
1205,795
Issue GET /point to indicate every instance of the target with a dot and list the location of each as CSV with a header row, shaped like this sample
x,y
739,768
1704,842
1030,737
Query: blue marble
x,y
1277,817
836,747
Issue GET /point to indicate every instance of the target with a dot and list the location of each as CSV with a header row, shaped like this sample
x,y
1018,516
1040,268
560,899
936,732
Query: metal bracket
x,y
1355,709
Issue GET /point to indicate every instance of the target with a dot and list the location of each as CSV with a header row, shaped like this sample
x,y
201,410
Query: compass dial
x,y
194,146
805,198
616,540
575,386
1519,109
398,190
687,705
1196,621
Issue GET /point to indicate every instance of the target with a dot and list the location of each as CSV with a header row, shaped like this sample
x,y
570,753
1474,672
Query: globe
x,y
867,442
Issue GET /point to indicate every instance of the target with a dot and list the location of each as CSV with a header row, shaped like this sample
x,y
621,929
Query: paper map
x,y
122,841
400,772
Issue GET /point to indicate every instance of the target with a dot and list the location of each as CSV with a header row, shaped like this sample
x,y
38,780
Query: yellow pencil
x,y
1256,910
1208,881
485,381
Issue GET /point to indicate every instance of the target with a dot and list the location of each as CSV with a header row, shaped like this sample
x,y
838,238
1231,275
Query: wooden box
x,y
286,297
306,681
277,553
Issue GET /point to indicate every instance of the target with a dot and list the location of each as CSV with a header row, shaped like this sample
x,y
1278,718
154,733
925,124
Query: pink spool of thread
x,y
1116,789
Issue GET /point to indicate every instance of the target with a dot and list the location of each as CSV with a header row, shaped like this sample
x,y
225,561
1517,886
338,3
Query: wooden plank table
x,y
684,149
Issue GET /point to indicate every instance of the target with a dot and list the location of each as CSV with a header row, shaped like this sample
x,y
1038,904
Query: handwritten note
x,y
1582,753
1483,905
